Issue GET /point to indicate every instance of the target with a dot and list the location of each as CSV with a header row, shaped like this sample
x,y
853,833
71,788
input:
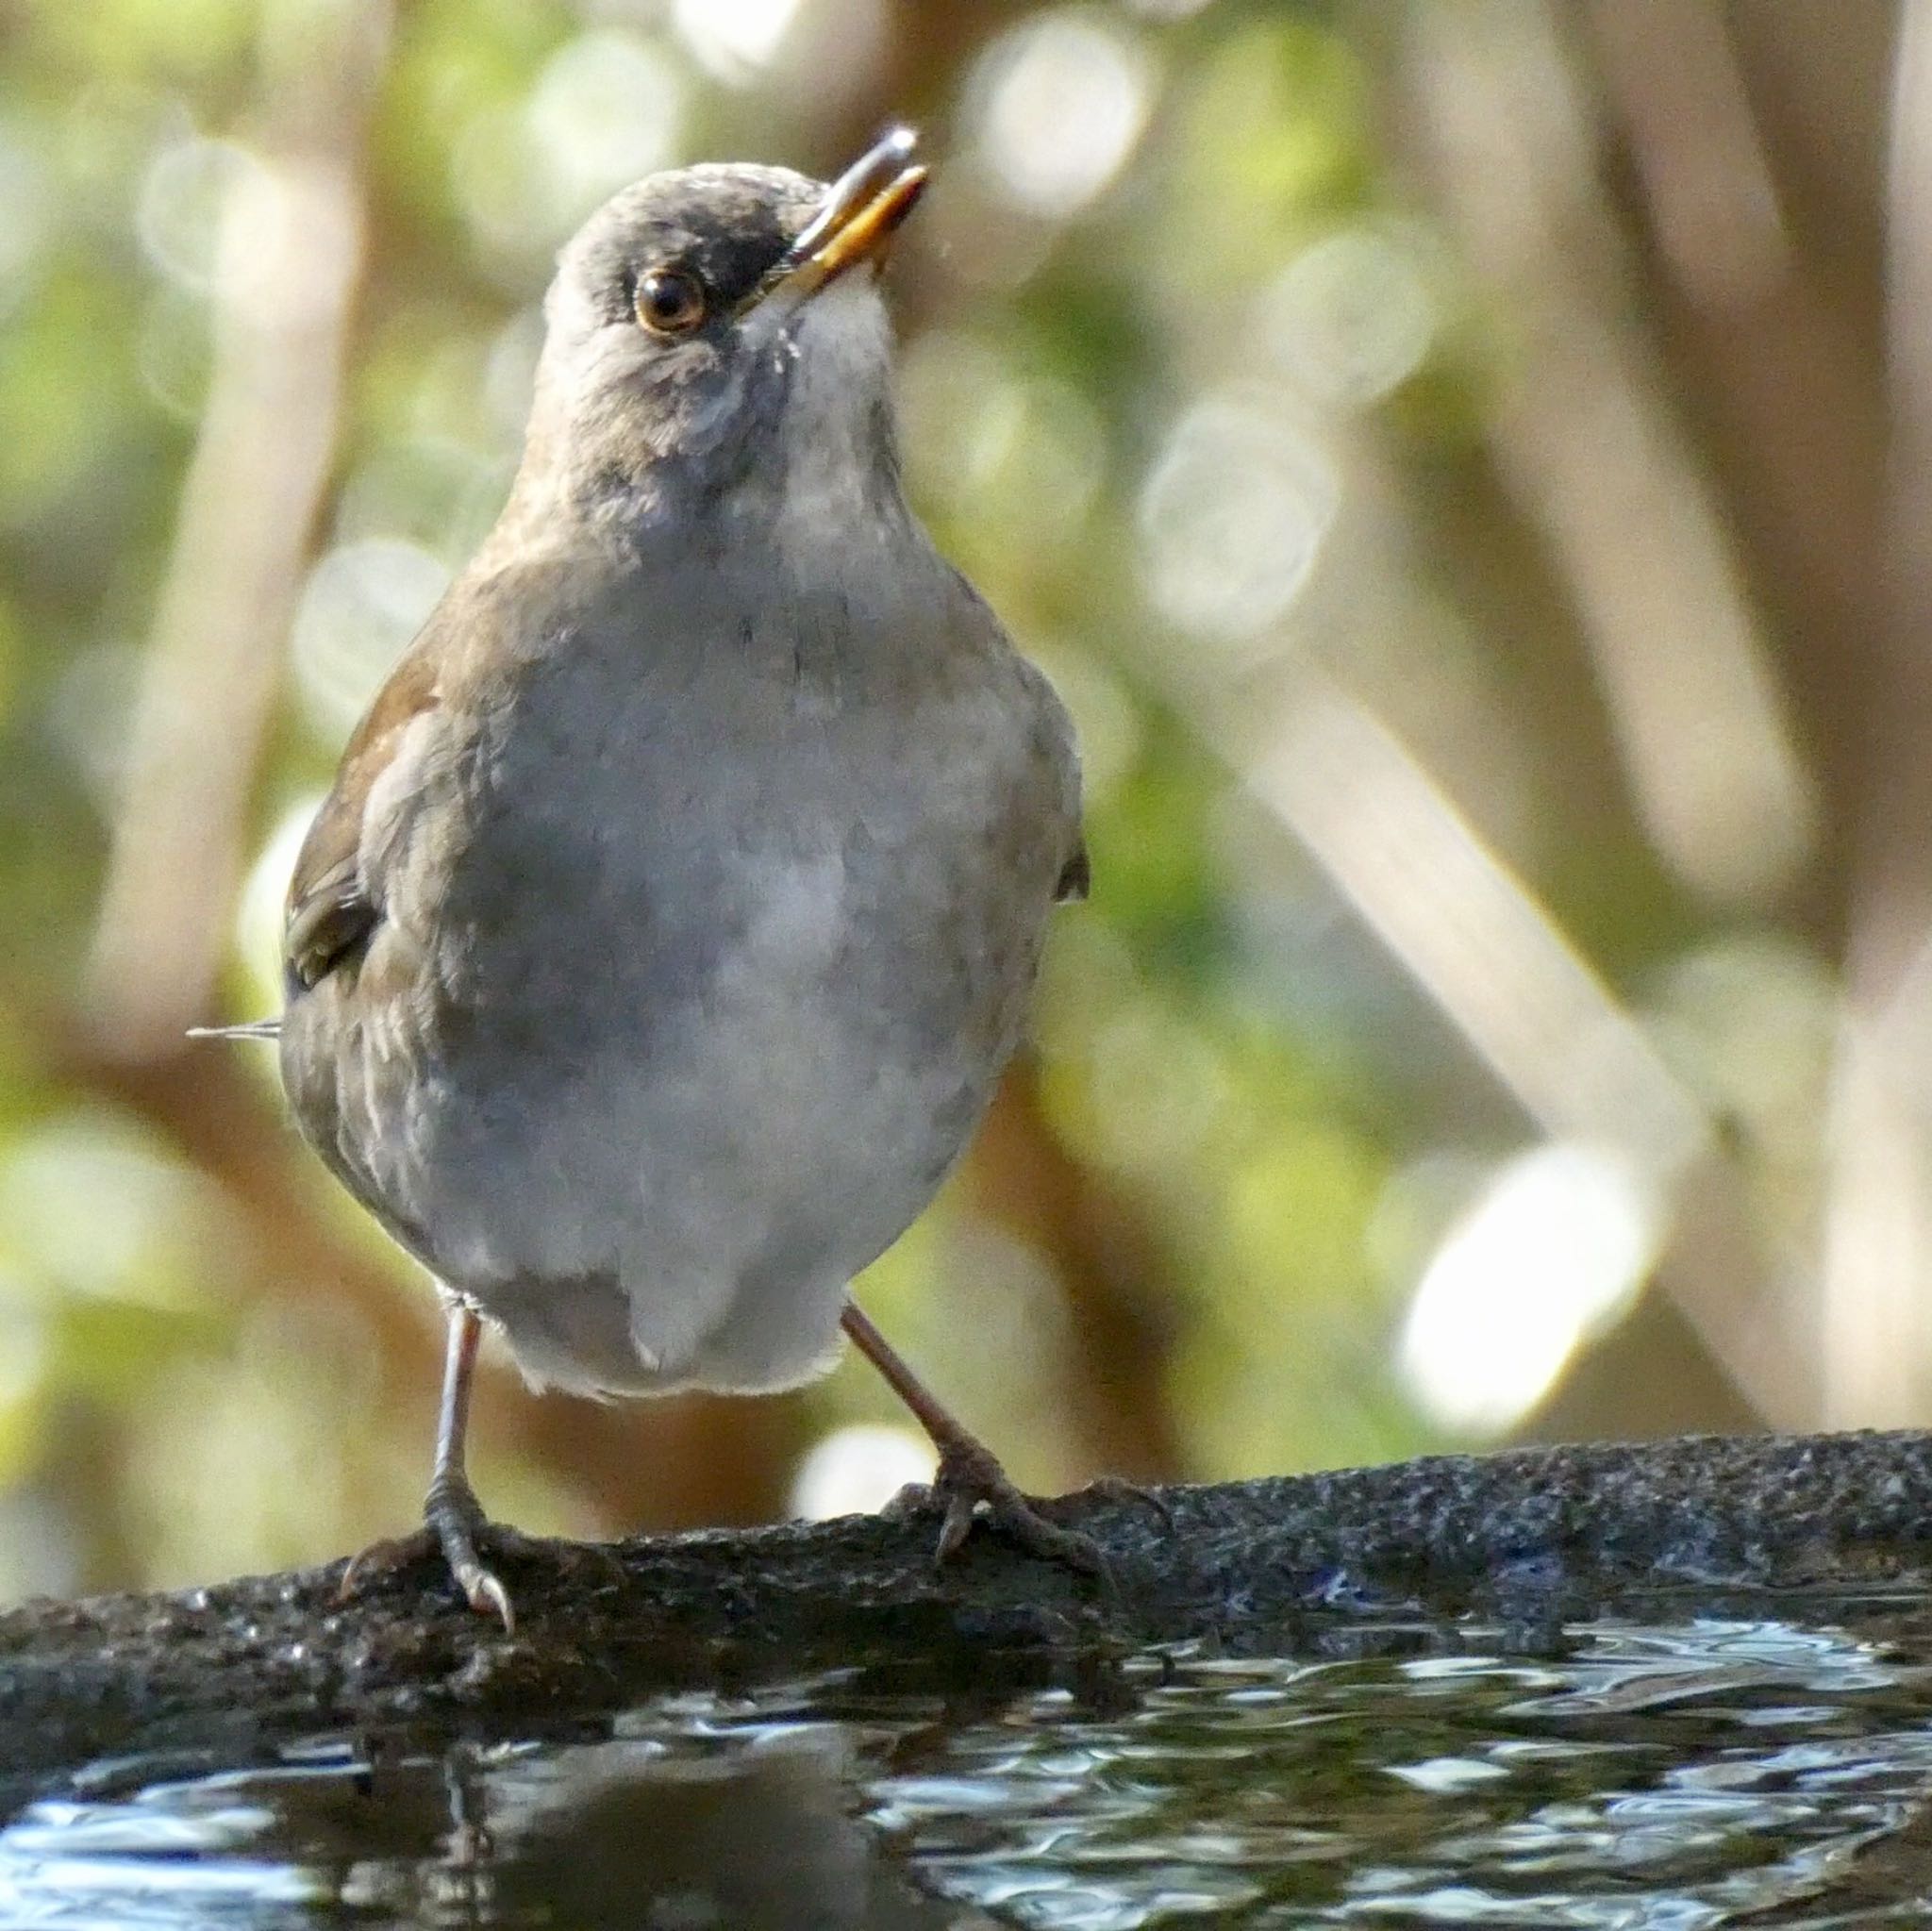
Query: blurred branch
x,y
1493,959
1878,1252
1787,372
1103,1256
1467,928
289,259
1586,443
1527,1540
1781,361
1706,175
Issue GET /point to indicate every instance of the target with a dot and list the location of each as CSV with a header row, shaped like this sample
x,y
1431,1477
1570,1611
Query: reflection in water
x,y
1704,1774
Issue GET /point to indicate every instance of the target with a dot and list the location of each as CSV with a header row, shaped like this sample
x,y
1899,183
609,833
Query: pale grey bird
x,y
678,898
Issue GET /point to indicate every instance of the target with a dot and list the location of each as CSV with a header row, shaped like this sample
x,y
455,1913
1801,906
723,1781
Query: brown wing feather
x,y
332,907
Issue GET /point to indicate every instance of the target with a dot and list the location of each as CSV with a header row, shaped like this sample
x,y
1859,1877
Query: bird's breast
x,y
715,986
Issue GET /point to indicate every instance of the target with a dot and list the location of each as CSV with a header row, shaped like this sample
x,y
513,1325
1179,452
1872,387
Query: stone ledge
x,y
1520,1541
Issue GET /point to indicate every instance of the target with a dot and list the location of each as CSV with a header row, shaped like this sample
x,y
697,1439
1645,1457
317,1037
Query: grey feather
x,y
247,1030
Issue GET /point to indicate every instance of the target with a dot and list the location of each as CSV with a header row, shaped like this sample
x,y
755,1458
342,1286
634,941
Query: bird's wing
x,y
1053,740
1056,746
335,904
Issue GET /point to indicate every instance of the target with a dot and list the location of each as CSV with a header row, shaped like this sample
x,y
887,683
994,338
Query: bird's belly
x,y
682,1202
718,1198
678,1047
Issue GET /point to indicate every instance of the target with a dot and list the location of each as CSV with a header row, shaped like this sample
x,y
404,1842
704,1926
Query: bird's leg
x,y
968,1473
450,1510
452,1516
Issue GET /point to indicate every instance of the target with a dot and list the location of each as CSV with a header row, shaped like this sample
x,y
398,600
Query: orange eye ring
x,y
669,301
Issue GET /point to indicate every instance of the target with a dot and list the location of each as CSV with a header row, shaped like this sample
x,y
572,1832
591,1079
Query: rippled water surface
x,y
1711,1773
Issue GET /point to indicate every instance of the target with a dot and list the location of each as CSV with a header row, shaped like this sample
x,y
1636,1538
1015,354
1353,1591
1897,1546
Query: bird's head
x,y
717,330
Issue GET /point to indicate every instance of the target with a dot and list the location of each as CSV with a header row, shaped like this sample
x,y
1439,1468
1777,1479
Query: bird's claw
x,y
483,1590
481,1586
971,1486
456,1529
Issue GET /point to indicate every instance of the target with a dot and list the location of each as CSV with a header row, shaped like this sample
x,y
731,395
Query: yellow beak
x,y
859,212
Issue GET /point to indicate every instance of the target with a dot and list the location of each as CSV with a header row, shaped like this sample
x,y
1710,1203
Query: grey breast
x,y
771,859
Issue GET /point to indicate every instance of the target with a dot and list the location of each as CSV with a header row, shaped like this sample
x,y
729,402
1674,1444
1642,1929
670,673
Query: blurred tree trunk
x,y
289,267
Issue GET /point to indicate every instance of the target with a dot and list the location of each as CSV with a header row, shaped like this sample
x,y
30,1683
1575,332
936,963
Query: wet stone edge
x,y
1519,1544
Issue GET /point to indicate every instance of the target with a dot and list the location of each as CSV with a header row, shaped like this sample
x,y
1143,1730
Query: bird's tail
x,y
249,1029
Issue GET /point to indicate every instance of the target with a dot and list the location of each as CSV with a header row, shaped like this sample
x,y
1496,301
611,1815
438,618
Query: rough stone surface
x,y
1518,1544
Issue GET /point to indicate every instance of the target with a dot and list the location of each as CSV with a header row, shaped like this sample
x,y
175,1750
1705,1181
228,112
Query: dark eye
x,y
669,301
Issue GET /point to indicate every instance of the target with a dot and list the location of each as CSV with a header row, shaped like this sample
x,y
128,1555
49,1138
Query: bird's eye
x,y
669,301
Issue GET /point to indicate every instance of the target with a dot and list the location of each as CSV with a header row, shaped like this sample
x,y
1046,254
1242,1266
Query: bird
x,y
678,898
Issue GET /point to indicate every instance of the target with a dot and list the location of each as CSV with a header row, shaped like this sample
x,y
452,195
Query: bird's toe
x,y
972,1487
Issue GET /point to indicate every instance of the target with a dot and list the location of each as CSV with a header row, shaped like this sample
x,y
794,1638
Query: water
x,y
1714,1772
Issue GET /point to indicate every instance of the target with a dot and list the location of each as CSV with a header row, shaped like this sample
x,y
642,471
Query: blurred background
x,y
1468,464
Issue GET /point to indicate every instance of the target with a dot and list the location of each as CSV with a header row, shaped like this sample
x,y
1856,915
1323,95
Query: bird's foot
x,y
456,1529
452,1525
971,1486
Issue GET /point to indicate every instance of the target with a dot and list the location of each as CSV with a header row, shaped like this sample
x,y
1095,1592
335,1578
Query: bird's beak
x,y
855,220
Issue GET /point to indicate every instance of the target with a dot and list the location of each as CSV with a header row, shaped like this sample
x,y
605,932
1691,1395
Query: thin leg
x,y
969,1474
451,1508
453,1518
